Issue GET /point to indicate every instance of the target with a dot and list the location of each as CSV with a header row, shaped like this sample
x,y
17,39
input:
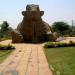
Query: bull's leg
x,y
16,37
51,37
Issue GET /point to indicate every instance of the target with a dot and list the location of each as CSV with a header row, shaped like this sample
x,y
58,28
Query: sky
x,y
54,10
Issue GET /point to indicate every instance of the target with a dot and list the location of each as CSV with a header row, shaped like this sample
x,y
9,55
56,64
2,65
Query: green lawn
x,y
62,60
4,54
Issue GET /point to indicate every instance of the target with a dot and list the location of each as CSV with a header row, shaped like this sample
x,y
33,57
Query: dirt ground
x,y
67,39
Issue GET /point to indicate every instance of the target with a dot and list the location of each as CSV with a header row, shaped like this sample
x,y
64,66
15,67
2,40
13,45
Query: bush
x,y
58,44
49,45
71,43
62,44
6,47
6,38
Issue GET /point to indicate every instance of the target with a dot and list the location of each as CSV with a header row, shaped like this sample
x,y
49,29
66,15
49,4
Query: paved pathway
x,y
27,59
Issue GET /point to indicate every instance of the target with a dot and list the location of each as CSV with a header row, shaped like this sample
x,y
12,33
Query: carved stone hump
x,y
32,7
32,11
33,28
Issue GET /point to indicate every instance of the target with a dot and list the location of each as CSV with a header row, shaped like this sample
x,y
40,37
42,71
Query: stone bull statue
x,y
32,28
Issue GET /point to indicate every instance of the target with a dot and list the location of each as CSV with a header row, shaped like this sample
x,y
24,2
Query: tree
x,y
4,26
60,27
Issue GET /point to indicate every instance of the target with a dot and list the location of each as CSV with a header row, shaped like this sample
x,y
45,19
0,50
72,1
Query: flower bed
x,y
6,47
58,44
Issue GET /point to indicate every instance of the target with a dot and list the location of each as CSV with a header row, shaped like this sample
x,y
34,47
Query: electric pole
x,y
72,25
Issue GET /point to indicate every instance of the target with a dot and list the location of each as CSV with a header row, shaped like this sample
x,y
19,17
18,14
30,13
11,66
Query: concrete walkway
x,y
27,59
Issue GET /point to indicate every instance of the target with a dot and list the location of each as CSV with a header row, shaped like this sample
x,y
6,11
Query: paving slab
x,y
26,59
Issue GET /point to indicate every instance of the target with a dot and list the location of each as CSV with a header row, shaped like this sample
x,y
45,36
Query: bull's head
x,y
32,12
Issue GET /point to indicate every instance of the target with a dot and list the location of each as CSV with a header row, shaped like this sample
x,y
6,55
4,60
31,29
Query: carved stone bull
x,y
33,28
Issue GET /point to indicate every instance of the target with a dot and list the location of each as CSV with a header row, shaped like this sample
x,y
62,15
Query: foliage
x,y
71,43
5,38
6,47
5,30
49,45
58,44
4,26
60,27
62,60
62,44
4,54
72,31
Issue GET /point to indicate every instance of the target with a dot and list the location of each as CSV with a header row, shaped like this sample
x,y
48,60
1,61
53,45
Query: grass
x,y
62,60
5,38
4,54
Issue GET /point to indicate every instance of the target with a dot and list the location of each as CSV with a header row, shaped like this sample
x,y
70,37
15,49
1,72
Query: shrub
x,y
71,43
62,44
6,38
58,44
49,45
6,47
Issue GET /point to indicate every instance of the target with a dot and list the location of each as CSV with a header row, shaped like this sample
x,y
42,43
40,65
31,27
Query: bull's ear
x,y
23,13
41,13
